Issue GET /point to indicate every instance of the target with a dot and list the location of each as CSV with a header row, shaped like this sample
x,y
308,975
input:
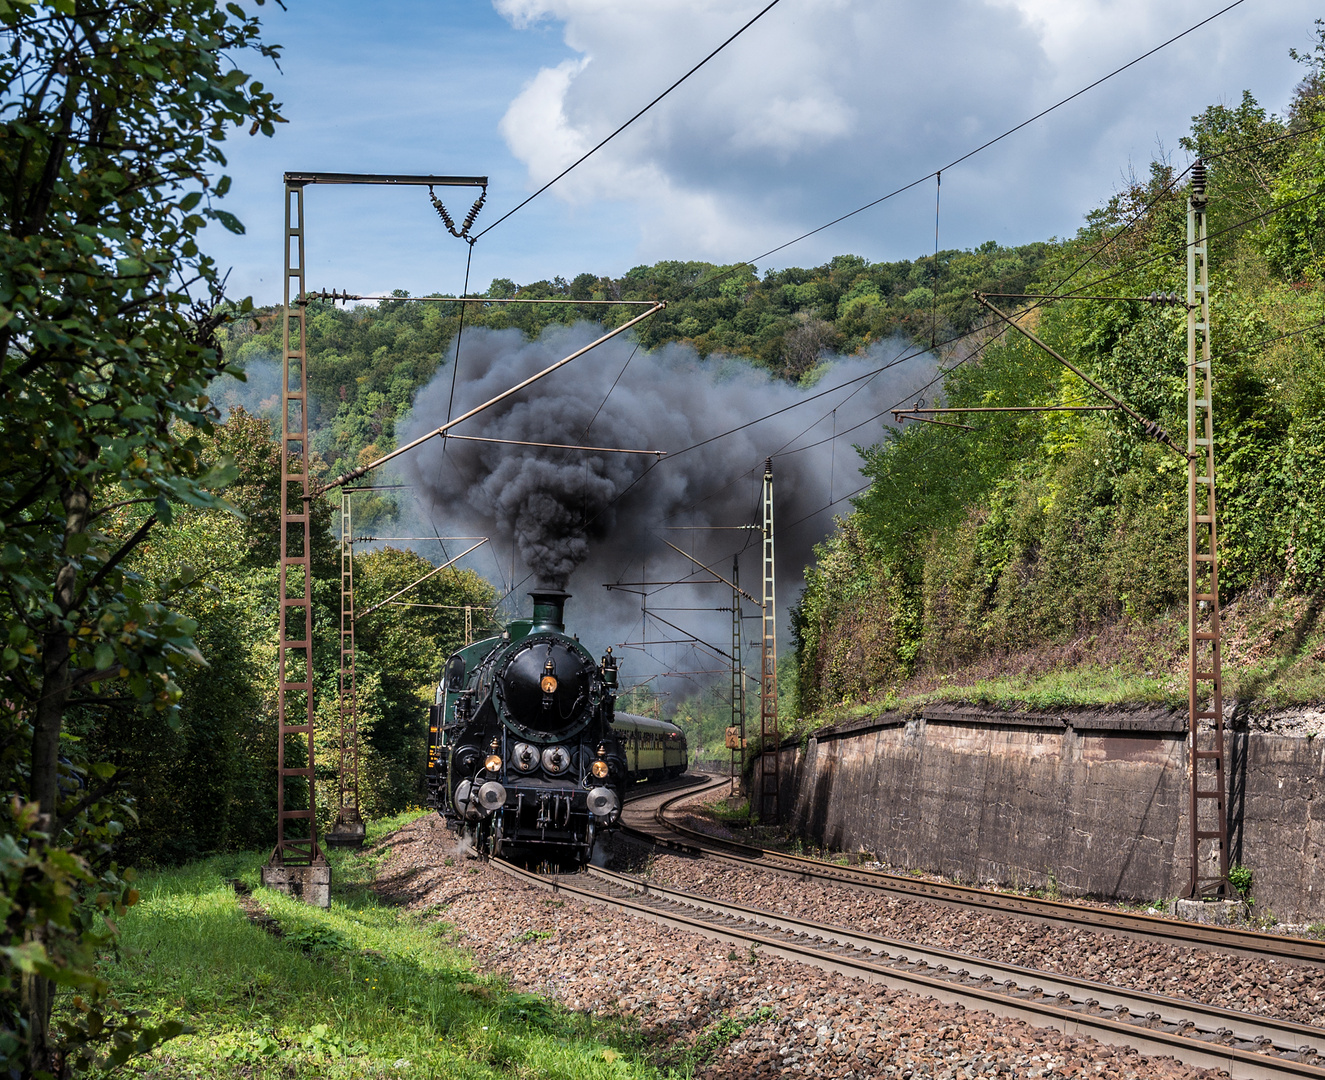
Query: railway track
x,y
649,821
1245,1045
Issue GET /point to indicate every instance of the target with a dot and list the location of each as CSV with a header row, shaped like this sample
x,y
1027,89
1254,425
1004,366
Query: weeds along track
x,y
646,818
1244,1045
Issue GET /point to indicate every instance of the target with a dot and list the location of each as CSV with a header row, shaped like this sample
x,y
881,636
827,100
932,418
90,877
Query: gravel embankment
x,y
679,986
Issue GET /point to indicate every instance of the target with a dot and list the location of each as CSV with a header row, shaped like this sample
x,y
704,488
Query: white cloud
x,y
535,126
825,104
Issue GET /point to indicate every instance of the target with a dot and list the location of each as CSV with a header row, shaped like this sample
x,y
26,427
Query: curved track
x,y
1244,1045
646,818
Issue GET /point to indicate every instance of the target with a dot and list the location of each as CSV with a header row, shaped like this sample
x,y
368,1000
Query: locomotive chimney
x,y
549,609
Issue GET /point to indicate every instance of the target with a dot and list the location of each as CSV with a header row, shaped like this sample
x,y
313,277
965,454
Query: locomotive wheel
x,y
483,840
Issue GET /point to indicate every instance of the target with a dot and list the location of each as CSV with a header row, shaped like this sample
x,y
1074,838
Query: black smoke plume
x,y
579,519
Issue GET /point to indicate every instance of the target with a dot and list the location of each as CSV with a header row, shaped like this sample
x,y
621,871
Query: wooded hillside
x,y
1024,539
1031,544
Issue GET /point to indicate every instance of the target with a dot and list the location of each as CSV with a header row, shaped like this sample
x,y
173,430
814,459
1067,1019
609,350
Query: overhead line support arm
x,y
711,571
294,179
1149,426
354,474
436,570
696,640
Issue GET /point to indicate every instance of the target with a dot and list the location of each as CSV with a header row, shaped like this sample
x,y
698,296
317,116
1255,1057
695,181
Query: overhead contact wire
x,y
588,154
998,138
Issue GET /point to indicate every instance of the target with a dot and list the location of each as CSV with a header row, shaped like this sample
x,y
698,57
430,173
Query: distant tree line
x,y
366,363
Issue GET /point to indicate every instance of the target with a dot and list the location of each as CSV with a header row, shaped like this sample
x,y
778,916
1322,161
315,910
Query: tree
x,y
110,131
403,648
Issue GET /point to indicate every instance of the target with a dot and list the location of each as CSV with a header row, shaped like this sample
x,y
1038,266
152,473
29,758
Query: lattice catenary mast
x,y
297,864
736,732
768,689
1205,696
348,828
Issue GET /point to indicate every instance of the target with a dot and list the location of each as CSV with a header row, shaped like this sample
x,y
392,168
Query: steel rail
x,y
960,988
1286,1035
1229,939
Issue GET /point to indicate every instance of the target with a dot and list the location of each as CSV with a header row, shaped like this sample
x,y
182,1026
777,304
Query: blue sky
x,y
821,106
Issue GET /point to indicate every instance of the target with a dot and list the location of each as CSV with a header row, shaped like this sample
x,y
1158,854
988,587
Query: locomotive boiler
x,y
526,752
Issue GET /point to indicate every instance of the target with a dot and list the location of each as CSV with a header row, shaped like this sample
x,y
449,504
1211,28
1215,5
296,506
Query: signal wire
x,y
1270,341
588,154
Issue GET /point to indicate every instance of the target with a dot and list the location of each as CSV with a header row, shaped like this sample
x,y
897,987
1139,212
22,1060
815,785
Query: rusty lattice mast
x,y
1205,688
296,826
769,781
348,828
736,731
297,863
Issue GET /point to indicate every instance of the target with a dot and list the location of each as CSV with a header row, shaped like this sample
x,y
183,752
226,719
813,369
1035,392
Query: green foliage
x,y
1293,239
1035,530
402,648
1240,878
347,993
854,631
110,132
732,812
715,1038
207,783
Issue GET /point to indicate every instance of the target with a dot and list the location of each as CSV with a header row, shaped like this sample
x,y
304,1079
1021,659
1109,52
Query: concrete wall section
x,y
1094,801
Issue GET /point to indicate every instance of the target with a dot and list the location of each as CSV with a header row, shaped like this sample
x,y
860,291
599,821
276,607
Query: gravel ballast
x,y
1249,984
755,1016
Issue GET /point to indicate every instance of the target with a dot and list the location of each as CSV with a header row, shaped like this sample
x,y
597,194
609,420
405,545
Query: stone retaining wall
x,y
1092,800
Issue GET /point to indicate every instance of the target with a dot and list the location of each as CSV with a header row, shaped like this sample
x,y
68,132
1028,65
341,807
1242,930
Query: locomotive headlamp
x,y
492,763
599,768
525,757
609,669
548,684
556,759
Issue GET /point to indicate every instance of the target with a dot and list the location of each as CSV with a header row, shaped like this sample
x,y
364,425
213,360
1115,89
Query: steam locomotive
x,y
526,752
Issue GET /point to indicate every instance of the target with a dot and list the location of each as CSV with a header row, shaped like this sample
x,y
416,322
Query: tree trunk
x,y
48,717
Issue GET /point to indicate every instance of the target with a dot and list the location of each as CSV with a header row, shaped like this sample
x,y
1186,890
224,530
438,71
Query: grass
x,y
1274,658
732,812
361,990
1086,685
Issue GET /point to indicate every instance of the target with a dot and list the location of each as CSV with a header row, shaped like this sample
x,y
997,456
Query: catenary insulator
x,y
1198,182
